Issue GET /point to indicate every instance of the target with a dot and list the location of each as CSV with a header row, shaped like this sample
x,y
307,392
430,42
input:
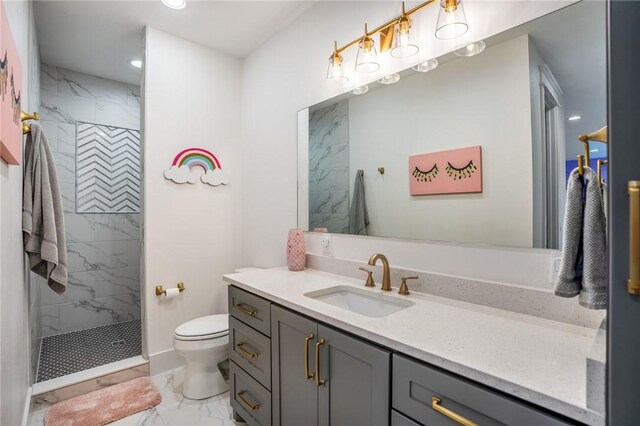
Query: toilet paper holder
x,y
161,290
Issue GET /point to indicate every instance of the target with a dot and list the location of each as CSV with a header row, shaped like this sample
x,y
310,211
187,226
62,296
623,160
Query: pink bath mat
x,y
105,405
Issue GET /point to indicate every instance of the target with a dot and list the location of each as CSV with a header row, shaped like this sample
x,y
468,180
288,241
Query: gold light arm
x,y
385,26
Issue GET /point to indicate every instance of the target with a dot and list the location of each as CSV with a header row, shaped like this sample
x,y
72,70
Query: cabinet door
x,y
295,395
357,381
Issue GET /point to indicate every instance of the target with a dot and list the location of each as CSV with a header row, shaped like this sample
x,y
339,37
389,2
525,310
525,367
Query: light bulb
x,y
452,22
366,59
175,4
360,90
405,46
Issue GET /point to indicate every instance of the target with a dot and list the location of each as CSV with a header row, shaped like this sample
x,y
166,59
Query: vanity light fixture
x,y
471,49
136,63
335,71
426,66
574,117
360,90
452,22
405,46
366,60
175,4
390,79
396,35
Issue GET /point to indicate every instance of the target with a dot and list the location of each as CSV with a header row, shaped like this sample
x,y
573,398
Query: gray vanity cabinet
x,y
354,376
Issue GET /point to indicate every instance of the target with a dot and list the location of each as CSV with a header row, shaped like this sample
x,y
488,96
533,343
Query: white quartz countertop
x,y
534,359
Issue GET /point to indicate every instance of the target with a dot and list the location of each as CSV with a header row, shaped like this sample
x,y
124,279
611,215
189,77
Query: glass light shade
x,y
471,49
175,4
366,60
390,79
360,90
452,22
426,66
405,45
335,71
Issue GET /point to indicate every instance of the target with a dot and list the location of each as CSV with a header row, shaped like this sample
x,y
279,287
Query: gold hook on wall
x,y
24,117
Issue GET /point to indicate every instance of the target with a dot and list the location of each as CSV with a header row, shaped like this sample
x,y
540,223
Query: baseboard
x,y
27,406
164,361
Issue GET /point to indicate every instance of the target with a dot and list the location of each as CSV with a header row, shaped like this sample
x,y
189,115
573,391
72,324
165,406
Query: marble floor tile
x,y
174,408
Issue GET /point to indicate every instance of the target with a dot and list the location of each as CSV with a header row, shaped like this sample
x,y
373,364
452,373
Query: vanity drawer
x,y
250,309
398,419
415,385
251,351
249,398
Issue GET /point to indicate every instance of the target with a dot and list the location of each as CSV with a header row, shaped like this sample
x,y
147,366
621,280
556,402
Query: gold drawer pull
x,y
250,312
319,382
435,404
250,406
246,352
307,339
633,284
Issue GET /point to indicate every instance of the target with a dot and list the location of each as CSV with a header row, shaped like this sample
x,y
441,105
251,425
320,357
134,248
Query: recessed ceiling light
x,y
360,90
390,79
574,117
136,63
175,4
594,150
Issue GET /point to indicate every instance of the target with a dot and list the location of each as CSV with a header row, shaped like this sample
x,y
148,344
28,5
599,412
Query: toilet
x,y
203,342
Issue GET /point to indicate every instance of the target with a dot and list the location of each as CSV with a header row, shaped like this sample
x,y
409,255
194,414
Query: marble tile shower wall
x,y
329,168
103,249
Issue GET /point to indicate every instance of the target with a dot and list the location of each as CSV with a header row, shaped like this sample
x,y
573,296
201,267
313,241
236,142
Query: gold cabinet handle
x,y
633,284
319,382
250,312
435,404
246,352
250,406
307,339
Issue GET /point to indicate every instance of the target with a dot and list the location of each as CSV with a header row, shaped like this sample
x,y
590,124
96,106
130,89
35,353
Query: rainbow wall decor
x,y
182,168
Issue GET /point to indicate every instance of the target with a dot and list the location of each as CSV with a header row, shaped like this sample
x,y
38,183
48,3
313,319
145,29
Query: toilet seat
x,y
203,328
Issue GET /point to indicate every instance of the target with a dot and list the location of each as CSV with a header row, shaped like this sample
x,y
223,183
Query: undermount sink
x,y
360,301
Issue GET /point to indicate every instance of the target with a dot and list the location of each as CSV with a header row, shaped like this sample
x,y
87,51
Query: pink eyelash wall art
x,y
454,171
10,94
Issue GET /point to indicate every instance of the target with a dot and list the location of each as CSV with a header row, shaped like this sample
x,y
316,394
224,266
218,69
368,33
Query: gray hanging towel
x,y
569,280
595,276
605,201
42,213
358,214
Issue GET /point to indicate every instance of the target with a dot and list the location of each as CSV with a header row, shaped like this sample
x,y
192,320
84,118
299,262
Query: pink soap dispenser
x,y
296,253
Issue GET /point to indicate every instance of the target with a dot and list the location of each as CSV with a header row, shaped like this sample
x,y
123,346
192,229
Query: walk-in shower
x,y
92,125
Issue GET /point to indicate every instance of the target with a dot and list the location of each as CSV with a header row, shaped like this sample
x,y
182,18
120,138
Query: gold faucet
x,y
386,280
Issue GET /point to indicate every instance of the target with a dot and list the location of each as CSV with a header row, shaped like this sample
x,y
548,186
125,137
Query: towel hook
x,y
26,116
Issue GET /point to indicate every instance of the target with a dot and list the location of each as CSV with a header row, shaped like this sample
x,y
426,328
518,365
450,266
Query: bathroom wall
x,y
191,231
413,116
103,248
269,118
16,299
329,168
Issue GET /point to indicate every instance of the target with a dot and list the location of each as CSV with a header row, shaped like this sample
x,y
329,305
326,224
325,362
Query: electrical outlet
x,y
325,241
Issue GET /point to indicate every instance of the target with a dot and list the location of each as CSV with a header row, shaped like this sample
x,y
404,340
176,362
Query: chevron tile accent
x,y
107,169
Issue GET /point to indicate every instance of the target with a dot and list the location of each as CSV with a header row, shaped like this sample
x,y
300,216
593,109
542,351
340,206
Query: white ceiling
x,y
99,37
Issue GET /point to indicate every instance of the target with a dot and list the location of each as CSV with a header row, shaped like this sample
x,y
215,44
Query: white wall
x,y
190,232
462,103
288,74
15,300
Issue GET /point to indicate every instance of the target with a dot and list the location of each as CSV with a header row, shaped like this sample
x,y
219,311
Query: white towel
x,y
42,213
